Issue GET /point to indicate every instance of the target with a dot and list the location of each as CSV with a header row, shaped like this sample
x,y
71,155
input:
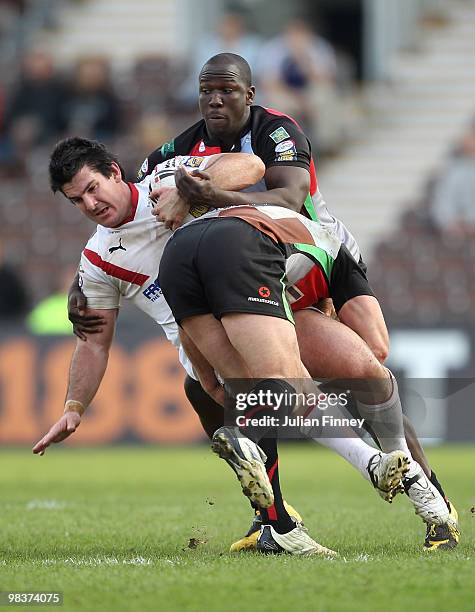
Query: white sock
x,y
354,450
386,421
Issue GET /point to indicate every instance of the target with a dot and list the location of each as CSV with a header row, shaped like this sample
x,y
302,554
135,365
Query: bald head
x,y
229,62
226,95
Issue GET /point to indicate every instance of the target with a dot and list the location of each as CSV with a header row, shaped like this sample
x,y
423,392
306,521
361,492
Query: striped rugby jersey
x,y
122,262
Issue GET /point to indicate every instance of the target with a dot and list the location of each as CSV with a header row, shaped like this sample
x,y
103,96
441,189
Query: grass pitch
x,y
111,528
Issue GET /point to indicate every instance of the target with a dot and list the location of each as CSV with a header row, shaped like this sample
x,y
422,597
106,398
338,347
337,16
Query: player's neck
x,y
228,139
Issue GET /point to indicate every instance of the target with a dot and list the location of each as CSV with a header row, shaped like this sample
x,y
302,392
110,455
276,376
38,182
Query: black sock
x,y
209,412
269,412
276,515
438,486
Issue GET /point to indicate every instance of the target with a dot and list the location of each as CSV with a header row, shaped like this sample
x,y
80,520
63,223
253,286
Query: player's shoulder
x,y
271,129
271,121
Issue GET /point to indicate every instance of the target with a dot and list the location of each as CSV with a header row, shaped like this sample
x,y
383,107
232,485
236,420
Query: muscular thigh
x,y
268,345
329,349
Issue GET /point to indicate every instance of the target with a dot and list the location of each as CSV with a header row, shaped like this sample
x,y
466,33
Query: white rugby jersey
x,y
123,262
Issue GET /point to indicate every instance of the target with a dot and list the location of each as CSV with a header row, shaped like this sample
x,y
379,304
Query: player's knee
x,y
379,346
277,394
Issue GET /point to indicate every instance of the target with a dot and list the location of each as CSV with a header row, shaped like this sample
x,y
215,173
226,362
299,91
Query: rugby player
x,y
231,122
224,260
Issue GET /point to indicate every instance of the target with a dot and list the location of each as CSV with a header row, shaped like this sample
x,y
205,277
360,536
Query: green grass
x,y
110,529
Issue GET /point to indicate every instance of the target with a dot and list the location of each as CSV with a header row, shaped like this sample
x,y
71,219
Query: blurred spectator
x,y
10,10
231,36
154,81
35,110
13,294
50,316
93,105
453,203
150,128
298,72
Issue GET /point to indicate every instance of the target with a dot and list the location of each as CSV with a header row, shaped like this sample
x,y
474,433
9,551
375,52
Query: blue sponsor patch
x,y
153,291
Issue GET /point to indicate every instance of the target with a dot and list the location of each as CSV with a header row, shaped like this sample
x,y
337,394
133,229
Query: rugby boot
x,y
249,541
248,462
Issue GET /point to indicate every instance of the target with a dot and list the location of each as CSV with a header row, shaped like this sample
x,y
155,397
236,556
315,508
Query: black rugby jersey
x,y
274,137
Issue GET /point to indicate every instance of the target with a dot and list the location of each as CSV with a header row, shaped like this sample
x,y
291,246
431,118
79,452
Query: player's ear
x,y
116,172
251,92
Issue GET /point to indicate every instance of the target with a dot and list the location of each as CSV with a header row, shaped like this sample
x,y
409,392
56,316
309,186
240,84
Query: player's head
x,y
226,93
91,178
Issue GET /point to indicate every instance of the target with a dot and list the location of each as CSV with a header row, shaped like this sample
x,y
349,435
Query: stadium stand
x,y
371,184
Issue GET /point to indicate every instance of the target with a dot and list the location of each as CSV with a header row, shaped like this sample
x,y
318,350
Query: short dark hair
x,y
72,154
236,60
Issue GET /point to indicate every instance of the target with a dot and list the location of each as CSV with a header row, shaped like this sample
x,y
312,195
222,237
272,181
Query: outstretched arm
x,y
88,366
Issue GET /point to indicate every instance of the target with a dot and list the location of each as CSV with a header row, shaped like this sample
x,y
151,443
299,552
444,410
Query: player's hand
x,y
169,207
63,428
195,187
83,323
325,306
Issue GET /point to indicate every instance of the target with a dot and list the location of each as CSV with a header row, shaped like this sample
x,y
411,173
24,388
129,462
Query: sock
x,y
354,450
276,515
277,401
386,421
438,486
352,409
209,412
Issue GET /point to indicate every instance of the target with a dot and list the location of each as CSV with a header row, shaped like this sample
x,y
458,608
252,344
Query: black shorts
x,y
222,266
348,279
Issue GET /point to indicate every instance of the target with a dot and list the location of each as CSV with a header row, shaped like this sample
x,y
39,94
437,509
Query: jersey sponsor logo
x,y
197,210
284,146
193,162
153,292
286,156
169,163
262,300
118,247
279,134
168,147
264,292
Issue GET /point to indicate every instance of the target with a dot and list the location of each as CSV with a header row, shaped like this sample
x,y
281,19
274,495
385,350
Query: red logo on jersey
x,y
264,292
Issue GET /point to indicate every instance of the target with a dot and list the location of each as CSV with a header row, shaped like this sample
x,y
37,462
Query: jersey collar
x,y
215,142
135,200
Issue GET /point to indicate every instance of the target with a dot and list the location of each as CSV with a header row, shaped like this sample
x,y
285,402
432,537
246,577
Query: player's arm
x,y
203,369
221,171
88,366
286,154
287,186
